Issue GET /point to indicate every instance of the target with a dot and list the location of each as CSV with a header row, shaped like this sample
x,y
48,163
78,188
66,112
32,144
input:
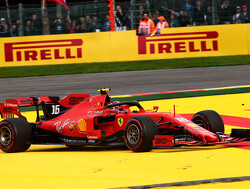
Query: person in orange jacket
x,y
146,26
161,24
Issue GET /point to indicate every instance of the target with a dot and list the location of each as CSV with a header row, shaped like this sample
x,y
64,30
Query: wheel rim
x,y
201,123
5,135
133,134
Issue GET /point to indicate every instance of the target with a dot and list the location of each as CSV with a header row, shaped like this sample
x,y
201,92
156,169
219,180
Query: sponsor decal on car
x,y
164,140
194,133
81,125
192,125
59,126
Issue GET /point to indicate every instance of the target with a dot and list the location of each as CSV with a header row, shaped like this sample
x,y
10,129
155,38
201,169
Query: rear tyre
x,y
209,120
15,135
139,133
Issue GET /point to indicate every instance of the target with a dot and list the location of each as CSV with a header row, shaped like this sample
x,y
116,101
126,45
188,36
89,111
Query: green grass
x,y
27,71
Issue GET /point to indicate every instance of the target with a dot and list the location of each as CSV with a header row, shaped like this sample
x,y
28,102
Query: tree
x,y
45,19
8,14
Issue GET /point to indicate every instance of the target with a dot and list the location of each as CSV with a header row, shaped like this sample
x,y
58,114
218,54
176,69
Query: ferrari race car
x,y
79,119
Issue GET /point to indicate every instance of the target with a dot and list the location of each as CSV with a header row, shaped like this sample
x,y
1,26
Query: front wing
x,y
237,135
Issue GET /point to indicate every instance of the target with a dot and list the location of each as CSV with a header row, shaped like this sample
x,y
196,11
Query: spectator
x,y
35,26
173,22
177,14
4,28
18,26
146,25
59,26
120,15
188,7
209,18
106,26
14,30
154,19
27,29
95,26
236,17
123,18
161,24
198,16
141,11
204,4
184,19
244,16
224,13
157,14
88,23
72,26
82,27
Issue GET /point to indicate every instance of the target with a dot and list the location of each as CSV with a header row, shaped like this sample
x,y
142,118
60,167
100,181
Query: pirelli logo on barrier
x,y
178,43
43,50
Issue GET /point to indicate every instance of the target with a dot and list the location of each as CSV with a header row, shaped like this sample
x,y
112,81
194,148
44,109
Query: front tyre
x,y
209,120
139,133
15,135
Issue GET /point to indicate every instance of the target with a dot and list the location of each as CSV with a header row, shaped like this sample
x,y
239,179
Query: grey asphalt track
x,y
126,82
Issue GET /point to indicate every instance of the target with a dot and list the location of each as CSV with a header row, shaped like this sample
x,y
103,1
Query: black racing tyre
x,y
209,120
15,135
139,133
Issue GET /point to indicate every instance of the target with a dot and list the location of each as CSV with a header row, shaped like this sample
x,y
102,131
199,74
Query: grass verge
x,y
28,71
184,94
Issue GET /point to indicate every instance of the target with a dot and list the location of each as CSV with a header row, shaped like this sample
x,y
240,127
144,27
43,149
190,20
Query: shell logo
x,y
82,126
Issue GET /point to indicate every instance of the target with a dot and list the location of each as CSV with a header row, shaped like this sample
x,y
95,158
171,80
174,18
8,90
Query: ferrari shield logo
x,y
120,121
71,126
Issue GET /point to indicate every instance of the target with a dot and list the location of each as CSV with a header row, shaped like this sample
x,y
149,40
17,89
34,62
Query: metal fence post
x,y
132,14
20,11
214,12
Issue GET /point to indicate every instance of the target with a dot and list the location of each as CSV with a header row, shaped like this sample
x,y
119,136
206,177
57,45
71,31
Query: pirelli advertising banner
x,y
205,41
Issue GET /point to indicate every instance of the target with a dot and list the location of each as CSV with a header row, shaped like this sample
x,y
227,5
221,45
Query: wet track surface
x,y
126,82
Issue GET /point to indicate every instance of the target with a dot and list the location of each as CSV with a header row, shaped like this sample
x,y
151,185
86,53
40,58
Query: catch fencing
x,y
18,21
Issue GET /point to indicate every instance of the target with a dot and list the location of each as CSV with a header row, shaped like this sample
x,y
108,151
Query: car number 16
x,y
55,109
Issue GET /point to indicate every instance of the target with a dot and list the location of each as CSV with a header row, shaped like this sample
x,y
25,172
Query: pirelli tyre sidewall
x,y
209,120
139,133
15,135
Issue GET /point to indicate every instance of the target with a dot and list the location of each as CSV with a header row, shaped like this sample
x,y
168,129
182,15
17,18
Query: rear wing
x,y
9,110
32,101
11,107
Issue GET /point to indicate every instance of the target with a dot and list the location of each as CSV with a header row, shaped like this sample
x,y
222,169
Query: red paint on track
x,y
242,145
229,120
232,121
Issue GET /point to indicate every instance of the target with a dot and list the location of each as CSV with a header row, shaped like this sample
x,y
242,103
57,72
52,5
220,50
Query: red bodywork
x,y
94,118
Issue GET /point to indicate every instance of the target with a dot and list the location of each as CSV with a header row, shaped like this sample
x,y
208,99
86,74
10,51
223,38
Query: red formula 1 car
x,y
79,119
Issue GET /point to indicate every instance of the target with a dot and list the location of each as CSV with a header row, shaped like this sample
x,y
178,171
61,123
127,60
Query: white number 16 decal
x,y
55,109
